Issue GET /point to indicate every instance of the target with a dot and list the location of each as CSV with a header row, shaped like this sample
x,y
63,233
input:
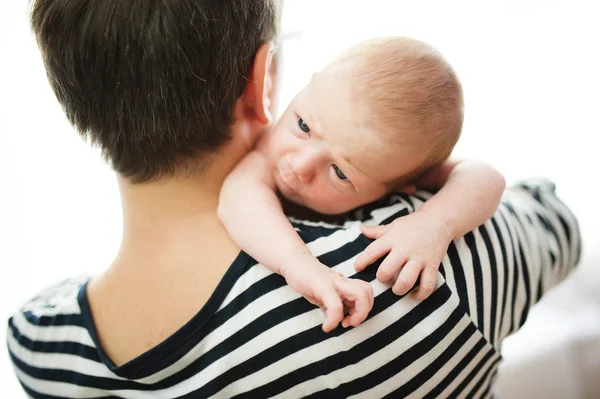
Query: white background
x,y
531,77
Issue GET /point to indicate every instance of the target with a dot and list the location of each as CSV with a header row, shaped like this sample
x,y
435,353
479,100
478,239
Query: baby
x,y
382,117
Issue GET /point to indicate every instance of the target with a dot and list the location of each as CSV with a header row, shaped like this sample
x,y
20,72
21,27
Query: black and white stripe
x,y
256,338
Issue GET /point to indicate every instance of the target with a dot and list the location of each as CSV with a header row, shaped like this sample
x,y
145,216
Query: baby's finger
x,y
363,304
359,298
408,276
427,283
334,311
374,251
390,266
374,232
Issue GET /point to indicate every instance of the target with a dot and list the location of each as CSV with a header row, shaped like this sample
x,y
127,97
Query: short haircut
x,y
152,83
411,93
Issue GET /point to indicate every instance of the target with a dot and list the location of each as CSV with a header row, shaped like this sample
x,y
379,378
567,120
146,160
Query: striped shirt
x,y
257,338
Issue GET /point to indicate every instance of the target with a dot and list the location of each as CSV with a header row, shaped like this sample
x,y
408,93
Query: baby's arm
x,y
469,194
253,216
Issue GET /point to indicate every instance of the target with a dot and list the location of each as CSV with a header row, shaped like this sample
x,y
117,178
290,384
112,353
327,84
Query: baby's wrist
x,y
293,260
445,225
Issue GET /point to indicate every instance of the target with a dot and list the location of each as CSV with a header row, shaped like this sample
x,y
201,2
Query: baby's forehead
x,y
343,88
334,103
332,99
385,163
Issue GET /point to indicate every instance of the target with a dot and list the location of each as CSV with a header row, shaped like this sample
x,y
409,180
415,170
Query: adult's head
x,y
159,86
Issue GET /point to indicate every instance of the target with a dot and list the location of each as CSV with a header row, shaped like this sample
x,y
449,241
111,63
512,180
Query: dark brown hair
x,y
152,83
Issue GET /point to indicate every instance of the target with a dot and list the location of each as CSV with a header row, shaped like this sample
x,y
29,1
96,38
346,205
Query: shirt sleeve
x,y
501,269
544,242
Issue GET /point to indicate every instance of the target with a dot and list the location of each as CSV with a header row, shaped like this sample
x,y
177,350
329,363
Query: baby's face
x,y
324,157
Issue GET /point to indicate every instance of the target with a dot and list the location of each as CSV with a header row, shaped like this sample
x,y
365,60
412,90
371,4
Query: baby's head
x,y
375,119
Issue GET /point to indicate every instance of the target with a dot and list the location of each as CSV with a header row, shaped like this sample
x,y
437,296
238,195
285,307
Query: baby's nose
x,y
304,166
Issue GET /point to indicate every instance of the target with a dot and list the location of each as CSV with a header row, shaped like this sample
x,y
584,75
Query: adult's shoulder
x,y
52,316
531,223
525,200
337,240
534,198
59,297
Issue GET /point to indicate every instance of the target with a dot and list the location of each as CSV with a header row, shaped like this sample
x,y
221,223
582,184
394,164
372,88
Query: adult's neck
x,y
172,222
173,254
167,213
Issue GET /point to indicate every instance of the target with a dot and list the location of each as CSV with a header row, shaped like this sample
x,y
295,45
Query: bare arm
x,y
253,216
469,194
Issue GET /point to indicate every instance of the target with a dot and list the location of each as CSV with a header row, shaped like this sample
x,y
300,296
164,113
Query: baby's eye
x,y
339,173
303,126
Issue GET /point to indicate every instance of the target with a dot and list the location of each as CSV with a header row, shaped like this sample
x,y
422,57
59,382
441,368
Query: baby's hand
x,y
415,245
330,291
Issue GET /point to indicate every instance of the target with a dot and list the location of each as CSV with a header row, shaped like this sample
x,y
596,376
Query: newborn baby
x,y
383,117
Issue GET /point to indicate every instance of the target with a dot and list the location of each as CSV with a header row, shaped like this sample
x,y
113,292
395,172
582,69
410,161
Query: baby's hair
x,y
412,95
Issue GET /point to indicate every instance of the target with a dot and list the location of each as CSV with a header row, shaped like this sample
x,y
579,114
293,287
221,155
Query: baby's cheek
x,y
333,202
345,202
374,195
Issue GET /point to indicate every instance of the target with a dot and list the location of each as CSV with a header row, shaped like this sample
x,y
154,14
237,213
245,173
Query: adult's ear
x,y
255,103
